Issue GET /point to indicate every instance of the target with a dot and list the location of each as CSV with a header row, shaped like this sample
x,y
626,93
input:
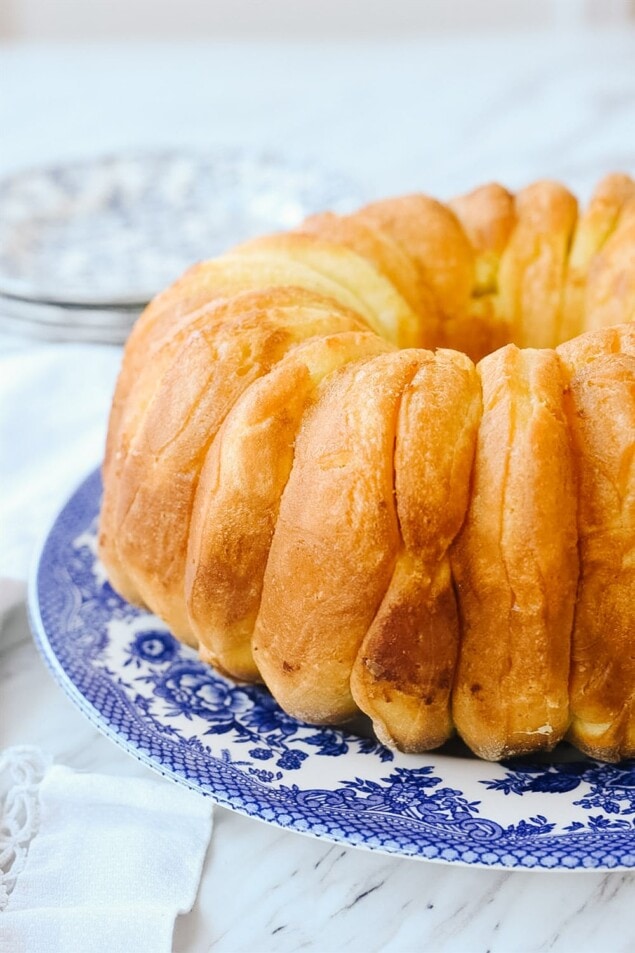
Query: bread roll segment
x,y
583,350
601,410
610,291
595,226
336,540
359,285
210,283
431,235
238,497
390,260
533,266
404,670
515,562
488,217
159,349
215,364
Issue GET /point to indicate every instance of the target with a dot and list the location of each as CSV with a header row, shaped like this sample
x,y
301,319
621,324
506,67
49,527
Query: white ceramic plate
x,y
152,696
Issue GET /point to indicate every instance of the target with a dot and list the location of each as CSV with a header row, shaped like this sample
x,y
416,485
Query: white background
x,y
93,19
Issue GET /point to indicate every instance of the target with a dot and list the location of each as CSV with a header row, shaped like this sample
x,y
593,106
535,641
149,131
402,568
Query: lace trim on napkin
x,y
21,771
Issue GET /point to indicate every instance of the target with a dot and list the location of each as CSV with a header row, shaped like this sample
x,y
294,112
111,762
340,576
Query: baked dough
x,y
364,462
600,403
516,562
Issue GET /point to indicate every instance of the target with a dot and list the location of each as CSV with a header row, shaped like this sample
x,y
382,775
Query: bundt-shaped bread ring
x,y
308,478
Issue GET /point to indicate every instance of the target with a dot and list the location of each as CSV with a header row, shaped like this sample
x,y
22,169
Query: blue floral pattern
x,y
152,646
607,788
155,698
191,691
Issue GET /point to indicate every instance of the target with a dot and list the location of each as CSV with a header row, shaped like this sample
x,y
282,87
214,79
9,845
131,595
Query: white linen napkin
x,y
93,862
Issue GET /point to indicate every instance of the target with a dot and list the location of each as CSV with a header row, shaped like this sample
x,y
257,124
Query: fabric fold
x,y
114,861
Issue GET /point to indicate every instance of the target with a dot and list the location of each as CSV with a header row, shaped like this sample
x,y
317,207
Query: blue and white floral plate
x,y
152,696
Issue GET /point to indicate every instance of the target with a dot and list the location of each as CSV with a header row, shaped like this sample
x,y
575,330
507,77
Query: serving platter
x,y
152,696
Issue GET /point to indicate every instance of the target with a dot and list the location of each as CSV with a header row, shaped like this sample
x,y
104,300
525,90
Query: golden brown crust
x,y
238,497
533,265
601,412
146,360
404,670
610,290
389,259
354,600
432,236
207,372
204,284
574,354
488,217
516,563
335,542
357,284
594,227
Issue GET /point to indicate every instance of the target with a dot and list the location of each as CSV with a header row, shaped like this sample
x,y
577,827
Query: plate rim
x,y
96,718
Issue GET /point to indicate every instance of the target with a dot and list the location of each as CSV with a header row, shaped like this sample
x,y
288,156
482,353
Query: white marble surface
x,y
421,115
